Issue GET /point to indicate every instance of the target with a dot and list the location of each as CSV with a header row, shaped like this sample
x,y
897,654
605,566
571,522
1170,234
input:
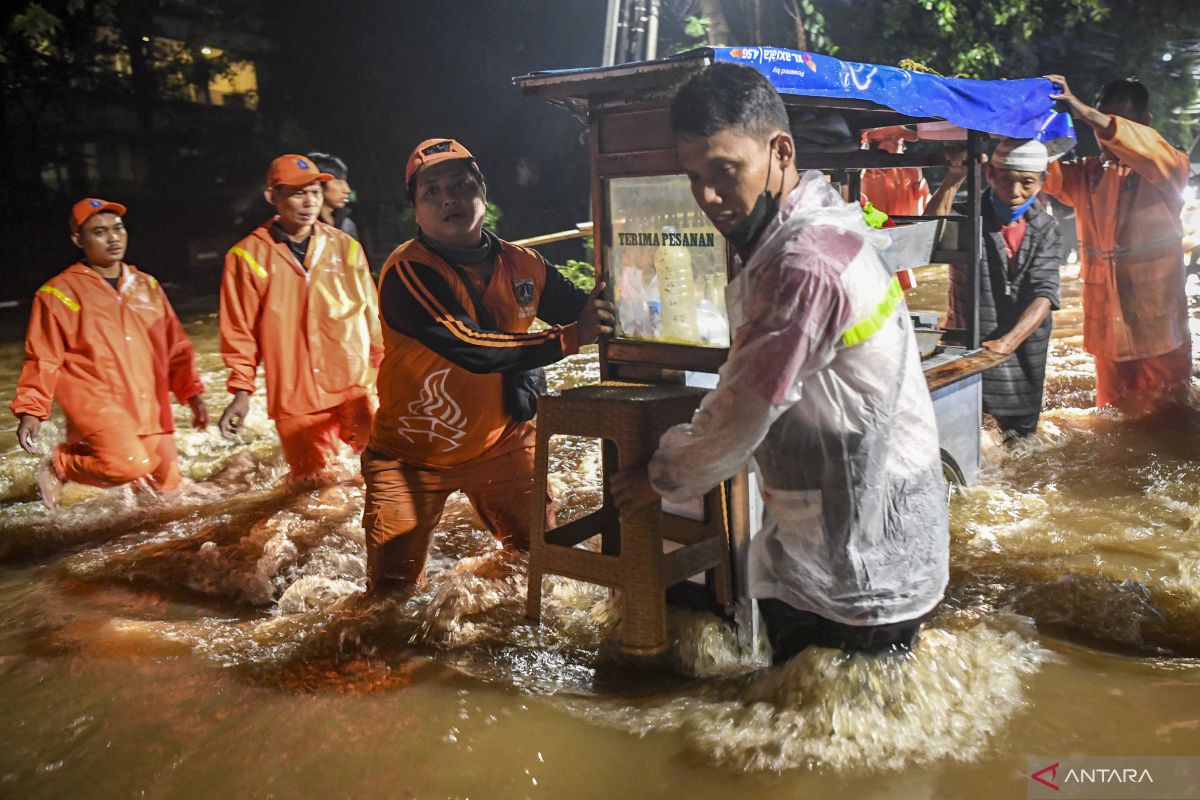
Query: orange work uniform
x,y
1135,312
900,192
314,326
110,357
445,419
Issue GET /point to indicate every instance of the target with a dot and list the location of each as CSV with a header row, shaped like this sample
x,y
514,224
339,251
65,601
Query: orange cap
x,y
431,151
294,170
82,211
894,133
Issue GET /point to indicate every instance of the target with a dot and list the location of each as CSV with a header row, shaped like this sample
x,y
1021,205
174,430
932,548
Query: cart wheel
x,y
953,475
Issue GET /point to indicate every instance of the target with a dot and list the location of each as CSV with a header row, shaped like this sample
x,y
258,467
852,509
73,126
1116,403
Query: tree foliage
x,y
61,61
1089,41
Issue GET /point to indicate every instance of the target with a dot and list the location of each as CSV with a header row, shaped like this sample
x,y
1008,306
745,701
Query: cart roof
x,y
1020,108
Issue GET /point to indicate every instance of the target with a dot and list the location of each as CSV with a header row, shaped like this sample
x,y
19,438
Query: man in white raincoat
x,y
823,389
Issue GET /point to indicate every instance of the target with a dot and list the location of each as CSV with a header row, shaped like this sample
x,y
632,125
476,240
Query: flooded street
x,y
218,644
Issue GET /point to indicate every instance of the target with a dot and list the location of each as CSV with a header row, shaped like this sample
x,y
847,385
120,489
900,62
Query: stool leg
x,y
718,581
643,596
610,536
537,525
533,596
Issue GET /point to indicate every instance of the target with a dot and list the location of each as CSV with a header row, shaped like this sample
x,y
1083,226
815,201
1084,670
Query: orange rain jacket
x,y
900,192
1130,242
315,330
105,355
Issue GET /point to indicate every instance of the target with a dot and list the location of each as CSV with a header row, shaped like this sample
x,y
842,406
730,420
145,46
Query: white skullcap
x,y
1021,155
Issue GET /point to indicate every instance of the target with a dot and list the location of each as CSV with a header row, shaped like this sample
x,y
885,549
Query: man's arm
x,y
415,300
1140,146
182,375
242,285
1044,280
1029,321
942,202
45,346
795,323
562,302
1147,153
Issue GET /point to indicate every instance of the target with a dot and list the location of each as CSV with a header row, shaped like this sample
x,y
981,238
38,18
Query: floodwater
x,y
218,644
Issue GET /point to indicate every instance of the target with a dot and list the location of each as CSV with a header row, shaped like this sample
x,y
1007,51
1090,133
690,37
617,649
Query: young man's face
x,y
1013,187
297,206
450,203
728,171
337,193
103,239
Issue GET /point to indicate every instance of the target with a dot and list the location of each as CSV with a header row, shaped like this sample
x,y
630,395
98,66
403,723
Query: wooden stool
x,y
633,558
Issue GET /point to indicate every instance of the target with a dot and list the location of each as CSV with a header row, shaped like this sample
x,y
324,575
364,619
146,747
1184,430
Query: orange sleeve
x,y
50,328
182,376
1147,152
1062,181
241,299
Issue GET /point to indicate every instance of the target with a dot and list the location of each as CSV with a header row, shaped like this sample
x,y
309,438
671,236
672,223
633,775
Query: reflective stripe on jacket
x,y
105,354
313,327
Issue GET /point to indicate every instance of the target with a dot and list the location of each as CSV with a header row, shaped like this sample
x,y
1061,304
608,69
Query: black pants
x,y
1018,427
790,630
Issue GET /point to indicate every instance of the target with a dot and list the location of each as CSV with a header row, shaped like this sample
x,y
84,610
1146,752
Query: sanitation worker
x,y
1127,212
105,343
459,380
297,297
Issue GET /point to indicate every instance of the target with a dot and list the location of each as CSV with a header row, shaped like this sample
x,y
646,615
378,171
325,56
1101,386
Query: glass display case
x,y
666,262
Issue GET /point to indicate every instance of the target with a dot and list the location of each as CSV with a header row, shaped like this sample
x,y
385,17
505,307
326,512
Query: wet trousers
x,y
1144,384
791,630
309,440
1013,428
118,455
404,505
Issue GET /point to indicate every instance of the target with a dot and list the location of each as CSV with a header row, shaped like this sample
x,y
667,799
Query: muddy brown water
x,y
219,645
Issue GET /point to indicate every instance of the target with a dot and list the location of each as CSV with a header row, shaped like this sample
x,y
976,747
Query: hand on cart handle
x,y
598,317
631,491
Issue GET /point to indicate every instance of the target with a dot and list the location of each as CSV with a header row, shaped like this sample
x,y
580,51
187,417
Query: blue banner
x,y
1018,108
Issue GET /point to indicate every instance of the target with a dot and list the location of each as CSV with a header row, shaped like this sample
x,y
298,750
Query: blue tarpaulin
x,y
1019,108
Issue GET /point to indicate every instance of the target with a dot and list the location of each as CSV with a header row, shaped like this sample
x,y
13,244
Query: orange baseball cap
x,y
294,170
431,151
82,211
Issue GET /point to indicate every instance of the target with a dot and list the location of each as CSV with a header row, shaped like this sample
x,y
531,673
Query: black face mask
x,y
747,232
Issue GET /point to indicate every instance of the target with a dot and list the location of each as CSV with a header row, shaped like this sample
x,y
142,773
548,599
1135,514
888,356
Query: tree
x,y
1090,41
112,97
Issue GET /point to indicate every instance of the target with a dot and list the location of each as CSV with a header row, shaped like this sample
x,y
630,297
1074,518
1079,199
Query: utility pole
x,y
631,31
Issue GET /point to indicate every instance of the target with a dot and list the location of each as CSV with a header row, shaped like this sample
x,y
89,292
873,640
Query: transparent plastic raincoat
x,y
823,388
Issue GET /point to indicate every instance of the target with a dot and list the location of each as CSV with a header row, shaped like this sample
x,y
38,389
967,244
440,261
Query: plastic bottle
x,y
673,265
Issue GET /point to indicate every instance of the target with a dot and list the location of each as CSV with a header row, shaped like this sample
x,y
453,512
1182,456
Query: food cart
x,y
667,267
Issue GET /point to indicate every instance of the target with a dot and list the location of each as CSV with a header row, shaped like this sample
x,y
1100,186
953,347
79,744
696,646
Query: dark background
x,y
366,81
91,107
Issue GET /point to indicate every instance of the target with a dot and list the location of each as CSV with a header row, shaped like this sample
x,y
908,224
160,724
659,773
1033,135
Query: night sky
x,y
371,80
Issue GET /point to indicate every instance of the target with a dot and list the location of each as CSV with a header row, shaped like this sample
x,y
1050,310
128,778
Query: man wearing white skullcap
x,y
1018,285
1021,155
